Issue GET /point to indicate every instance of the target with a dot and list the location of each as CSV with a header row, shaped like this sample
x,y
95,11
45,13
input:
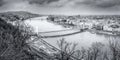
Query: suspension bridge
x,y
61,33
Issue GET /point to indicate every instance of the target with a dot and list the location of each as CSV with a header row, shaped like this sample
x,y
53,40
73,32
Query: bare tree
x,y
94,51
80,54
105,55
67,49
115,49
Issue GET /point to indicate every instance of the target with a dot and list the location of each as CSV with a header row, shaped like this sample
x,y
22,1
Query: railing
x,y
55,31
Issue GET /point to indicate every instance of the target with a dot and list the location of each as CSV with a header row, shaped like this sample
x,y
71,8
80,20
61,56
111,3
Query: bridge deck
x,y
60,33
55,31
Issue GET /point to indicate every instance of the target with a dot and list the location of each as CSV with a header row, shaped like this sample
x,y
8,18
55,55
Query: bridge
x,y
60,33
55,31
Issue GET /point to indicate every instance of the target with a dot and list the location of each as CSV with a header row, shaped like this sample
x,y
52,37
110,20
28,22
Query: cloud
x,y
2,2
70,3
100,3
62,6
41,2
108,3
62,3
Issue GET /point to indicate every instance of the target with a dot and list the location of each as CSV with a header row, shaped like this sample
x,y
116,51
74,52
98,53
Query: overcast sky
x,y
67,7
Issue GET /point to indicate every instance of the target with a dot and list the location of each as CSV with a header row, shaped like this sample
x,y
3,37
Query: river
x,y
83,39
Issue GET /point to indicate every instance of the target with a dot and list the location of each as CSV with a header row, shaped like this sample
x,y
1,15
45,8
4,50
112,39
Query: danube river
x,y
83,39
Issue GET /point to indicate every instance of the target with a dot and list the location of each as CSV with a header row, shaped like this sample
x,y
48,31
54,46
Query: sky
x,y
63,7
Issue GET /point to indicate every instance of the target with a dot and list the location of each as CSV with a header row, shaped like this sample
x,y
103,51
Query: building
x,y
112,27
83,25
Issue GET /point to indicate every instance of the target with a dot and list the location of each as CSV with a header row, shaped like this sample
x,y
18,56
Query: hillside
x,y
19,15
13,38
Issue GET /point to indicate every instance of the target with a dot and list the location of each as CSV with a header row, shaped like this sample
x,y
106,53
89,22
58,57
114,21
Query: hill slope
x,y
18,15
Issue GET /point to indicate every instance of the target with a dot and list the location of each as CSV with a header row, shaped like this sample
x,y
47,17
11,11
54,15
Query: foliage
x,y
13,42
18,15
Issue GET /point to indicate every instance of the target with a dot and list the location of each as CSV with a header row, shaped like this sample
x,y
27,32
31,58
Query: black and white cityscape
x,y
59,29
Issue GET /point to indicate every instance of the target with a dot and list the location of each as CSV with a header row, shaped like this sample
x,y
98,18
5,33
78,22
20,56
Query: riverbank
x,y
104,32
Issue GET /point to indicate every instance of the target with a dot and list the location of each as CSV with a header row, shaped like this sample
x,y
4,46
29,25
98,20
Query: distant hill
x,y
18,15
